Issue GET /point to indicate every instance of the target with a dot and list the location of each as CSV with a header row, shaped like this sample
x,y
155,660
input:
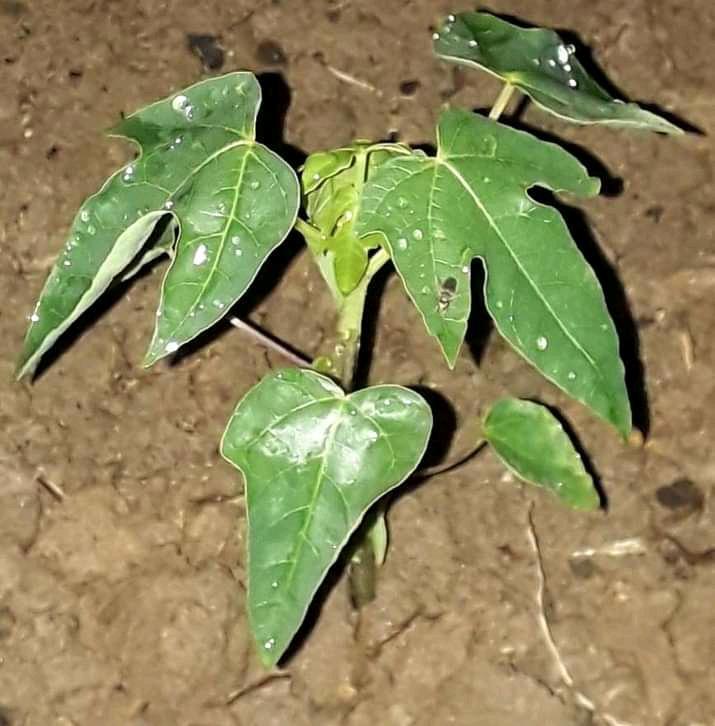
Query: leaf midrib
x,y
490,220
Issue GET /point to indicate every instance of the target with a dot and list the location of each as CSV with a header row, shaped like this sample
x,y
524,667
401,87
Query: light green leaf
x,y
84,270
471,200
533,444
540,64
332,184
234,201
314,460
164,245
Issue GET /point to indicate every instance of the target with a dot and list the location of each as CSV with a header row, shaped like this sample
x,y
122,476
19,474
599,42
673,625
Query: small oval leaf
x,y
539,63
314,461
532,443
472,200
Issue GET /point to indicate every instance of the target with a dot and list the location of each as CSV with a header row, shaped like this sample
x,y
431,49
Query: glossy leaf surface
x,y
533,444
314,460
233,199
539,63
472,200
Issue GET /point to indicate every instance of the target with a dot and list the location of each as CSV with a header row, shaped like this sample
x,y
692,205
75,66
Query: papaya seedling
x,y
316,455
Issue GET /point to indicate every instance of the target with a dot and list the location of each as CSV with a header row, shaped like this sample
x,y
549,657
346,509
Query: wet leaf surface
x,y
314,461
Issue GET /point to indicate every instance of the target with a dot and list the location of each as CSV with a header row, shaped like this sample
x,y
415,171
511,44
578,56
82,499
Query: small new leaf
x,y
314,461
472,200
533,444
233,199
540,64
332,184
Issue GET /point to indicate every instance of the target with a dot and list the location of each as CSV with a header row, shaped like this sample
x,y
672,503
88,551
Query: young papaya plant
x,y
316,455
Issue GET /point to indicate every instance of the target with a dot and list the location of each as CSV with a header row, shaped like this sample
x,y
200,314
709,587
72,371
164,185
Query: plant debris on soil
x,y
122,563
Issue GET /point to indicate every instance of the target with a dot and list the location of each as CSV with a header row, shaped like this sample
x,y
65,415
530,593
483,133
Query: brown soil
x,y
123,602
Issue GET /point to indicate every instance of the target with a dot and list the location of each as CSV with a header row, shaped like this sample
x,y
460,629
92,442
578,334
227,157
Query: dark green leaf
x,y
540,64
314,461
534,445
471,200
233,199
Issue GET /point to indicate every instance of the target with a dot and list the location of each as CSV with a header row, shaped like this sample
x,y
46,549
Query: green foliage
x,y
471,200
529,439
314,454
540,64
314,460
233,199
333,183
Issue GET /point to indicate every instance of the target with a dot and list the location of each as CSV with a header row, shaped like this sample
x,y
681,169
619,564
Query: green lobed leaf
x,y
332,184
529,439
539,63
233,199
471,200
314,460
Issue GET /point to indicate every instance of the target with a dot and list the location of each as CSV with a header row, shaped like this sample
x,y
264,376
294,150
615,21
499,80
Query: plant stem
x,y
362,569
501,102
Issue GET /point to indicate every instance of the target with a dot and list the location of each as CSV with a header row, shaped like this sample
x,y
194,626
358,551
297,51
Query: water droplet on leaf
x,y
542,343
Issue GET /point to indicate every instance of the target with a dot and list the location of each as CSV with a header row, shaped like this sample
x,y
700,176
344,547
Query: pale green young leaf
x,y
529,439
233,199
332,184
314,460
539,63
164,245
472,200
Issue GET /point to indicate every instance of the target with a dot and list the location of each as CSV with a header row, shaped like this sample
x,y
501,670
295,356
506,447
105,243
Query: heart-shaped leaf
x,y
533,444
540,64
471,201
314,460
234,201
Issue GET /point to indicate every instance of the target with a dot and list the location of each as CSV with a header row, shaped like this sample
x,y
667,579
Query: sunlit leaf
x,y
472,200
314,460
233,199
533,444
539,63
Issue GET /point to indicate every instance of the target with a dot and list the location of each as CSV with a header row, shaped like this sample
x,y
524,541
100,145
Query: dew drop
x,y
567,67
451,18
473,43
417,234
179,102
542,343
168,204
235,240
219,304
201,255
425,290
274,585
571,376
268,645
90,229
255,184
348,215
552,62
171,347
238,252
128,174
499,304
439,234
562,55
465,269
84,215
66,263
573,83
570,49
435,36
316,177
34,318
402,243
401,202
